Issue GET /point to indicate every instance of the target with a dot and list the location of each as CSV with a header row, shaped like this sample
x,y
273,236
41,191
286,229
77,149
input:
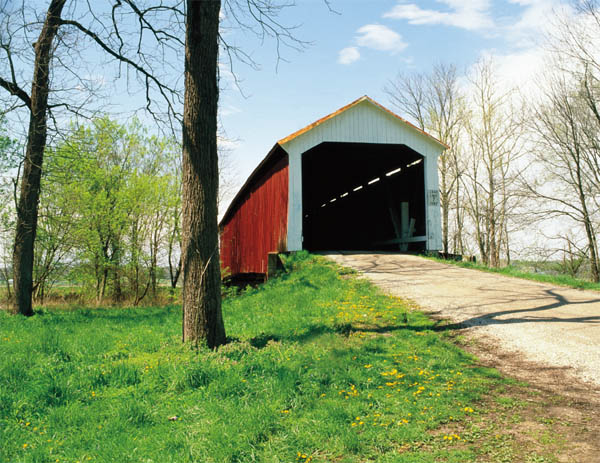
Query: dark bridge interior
x,y
362,196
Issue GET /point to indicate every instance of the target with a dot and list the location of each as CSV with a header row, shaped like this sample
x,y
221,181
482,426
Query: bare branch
x,y
167,92
15,90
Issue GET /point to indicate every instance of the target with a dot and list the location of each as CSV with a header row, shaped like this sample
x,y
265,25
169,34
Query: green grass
x,y
514,271
321,366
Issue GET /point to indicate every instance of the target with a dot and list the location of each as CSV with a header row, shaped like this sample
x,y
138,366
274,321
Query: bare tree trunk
x,y
458,245
139,298
116,269
491,214
40,293
8,288
153,265
493,245
202,319
27,209
507,244
102,287
444,200
154,262
174,272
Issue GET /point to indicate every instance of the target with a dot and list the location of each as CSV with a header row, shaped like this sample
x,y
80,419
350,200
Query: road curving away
x,y
554,328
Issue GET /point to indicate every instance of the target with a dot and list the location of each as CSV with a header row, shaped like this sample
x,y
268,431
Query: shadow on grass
x,y
262,340
316,330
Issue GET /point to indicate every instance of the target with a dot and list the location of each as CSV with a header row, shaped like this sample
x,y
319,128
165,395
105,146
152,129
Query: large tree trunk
x,y
202,319
27,208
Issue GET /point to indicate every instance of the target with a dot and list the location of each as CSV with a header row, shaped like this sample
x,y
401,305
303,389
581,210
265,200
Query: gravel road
x,y
554,327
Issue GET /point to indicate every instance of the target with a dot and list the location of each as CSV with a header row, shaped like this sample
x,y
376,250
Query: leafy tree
x,y
91,170
129,33
125,34
112,190
9,167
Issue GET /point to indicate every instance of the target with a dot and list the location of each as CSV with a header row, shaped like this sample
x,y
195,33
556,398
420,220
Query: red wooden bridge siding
x,y
257,224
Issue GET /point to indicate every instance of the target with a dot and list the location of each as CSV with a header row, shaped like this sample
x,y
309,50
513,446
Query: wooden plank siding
x,y
257,224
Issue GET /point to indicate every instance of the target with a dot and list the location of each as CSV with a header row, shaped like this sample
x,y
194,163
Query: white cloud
x,y
348,55
532,60
535,22
380,37
470,15
520,70
522,30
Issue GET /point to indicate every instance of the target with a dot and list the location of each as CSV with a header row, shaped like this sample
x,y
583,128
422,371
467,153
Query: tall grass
x,y
74,297
320,367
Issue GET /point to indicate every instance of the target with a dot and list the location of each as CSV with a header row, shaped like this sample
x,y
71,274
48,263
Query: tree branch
x,y
17,91
149,77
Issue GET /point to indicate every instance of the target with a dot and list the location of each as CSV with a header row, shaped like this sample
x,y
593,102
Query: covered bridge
x,y
361,178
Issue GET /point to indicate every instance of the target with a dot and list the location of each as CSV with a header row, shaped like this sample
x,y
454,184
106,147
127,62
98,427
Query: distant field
x,y
320,367
543,272
68,296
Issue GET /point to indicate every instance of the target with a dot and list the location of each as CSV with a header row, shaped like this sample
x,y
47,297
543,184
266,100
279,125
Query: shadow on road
x,y
560,302
376,265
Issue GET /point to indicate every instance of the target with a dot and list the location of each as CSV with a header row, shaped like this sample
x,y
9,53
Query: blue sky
x,y
357,51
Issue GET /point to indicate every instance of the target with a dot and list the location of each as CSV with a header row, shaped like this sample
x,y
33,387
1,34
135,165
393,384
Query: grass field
x,y
519,271
321,367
